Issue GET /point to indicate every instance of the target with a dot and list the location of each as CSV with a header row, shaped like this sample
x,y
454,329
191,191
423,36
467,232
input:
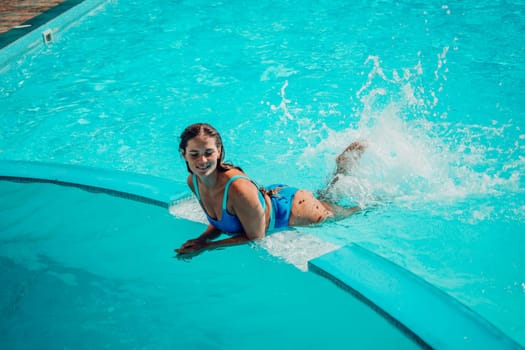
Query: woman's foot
x,y
346,160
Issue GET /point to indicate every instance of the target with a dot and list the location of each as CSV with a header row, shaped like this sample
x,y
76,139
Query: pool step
x,y
433,318
146,188
292,246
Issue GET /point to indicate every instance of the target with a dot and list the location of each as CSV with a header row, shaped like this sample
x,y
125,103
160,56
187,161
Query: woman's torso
x,y
217,204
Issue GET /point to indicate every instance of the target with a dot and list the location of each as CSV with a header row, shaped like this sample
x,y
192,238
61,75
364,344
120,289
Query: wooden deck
x,y
13,13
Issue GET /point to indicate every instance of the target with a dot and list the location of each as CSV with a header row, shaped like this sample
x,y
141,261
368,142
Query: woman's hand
x,y
192,246
196,245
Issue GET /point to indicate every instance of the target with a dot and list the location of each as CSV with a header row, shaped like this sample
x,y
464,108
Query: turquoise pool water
x,y
102,275
435,90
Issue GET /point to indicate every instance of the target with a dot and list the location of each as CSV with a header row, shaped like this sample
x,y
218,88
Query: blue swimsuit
x,y
279,213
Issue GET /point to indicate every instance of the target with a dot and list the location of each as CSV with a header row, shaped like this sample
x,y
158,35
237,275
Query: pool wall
x,y
425,313
32,34
146,188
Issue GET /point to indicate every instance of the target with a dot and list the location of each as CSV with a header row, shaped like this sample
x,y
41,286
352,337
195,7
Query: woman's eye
x,y
206,154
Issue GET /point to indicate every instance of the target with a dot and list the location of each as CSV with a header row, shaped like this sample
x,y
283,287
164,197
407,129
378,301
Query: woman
x,y
234,204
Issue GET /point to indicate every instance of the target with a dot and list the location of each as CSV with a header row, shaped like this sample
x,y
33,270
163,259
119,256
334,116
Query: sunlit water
x,y
435,90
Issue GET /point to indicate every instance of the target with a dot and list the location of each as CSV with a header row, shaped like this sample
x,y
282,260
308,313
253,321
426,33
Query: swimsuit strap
x,y
228,184
196,185
227,187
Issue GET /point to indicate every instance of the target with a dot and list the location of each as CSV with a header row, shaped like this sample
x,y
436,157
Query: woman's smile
x,y
203,167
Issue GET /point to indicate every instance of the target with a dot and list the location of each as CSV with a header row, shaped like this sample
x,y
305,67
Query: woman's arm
x,y
245,204
198,247
210,234
200,242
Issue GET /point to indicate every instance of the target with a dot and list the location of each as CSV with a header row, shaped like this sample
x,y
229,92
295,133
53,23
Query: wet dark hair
x,y
197,129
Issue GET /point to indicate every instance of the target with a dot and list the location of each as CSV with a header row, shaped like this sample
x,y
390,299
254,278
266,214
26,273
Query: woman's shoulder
x,y
241,185
229,174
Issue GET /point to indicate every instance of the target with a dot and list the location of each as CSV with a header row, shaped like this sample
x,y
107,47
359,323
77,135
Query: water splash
x,y
414,158
283,106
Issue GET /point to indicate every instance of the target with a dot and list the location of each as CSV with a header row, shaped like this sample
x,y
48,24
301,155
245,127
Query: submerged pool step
x,y
295,247
291,245
147,188
432,317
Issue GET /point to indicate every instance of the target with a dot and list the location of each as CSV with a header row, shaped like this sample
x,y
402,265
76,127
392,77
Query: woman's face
x,y
202,155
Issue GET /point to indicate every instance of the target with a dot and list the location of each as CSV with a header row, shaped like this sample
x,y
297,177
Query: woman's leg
x,y
344,164
308,210
339,212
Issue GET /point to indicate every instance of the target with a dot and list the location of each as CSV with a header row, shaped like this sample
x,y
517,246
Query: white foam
x,y
188,208
293,246
296,247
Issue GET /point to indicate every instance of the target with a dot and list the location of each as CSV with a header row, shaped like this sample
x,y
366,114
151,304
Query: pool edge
x,y
20,41
428,315
146,188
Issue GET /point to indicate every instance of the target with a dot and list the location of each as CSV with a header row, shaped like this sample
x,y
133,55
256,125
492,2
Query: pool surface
x,y
438,97
90,270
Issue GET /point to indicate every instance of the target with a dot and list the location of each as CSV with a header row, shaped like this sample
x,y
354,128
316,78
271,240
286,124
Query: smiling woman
x,y
235,204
